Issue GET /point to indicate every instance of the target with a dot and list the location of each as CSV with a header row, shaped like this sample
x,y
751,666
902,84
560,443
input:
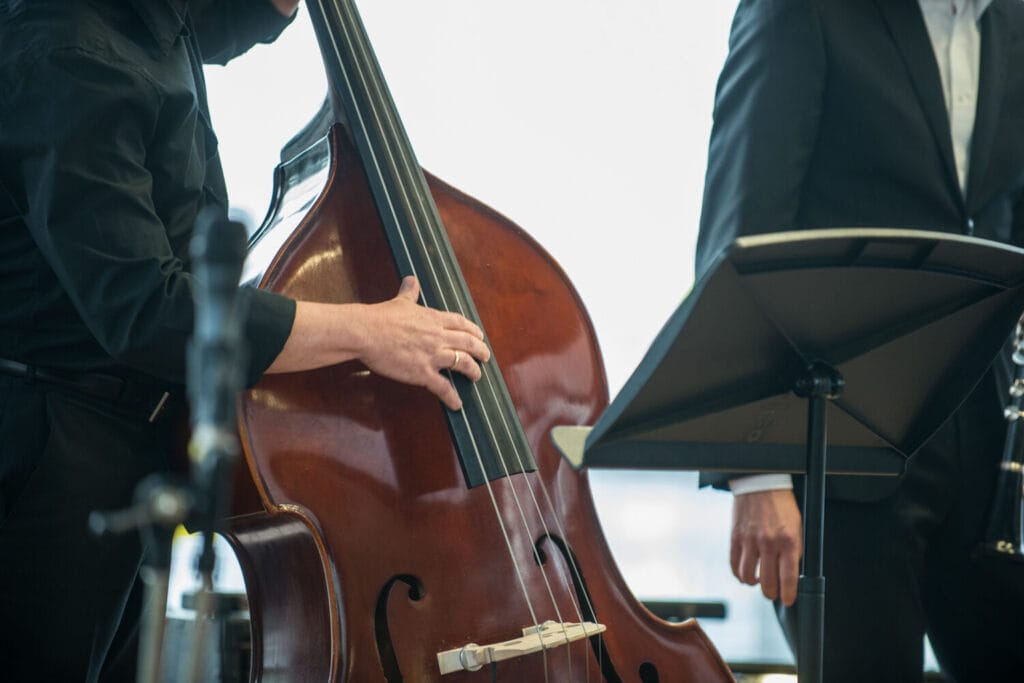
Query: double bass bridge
x,y
546,636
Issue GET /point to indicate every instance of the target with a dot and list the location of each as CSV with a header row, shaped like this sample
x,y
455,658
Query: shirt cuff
x,y
267,329
760,482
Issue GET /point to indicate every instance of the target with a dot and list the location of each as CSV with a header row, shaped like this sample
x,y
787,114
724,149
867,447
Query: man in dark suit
x,y
872,113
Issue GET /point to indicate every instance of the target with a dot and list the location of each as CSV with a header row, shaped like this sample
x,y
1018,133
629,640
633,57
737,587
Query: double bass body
x,y
368,548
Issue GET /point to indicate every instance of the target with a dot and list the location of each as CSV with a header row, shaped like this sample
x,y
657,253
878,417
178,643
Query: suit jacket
x,y
831,113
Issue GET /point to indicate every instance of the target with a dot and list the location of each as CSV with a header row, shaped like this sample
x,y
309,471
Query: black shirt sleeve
x,y
82,161
227,28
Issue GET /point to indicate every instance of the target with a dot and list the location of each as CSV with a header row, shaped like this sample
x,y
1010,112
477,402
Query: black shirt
x,y
106,157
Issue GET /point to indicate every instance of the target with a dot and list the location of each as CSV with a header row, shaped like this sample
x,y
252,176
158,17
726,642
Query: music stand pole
x,y
821,383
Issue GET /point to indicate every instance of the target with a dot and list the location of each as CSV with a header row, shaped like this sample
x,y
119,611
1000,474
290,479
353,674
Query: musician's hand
x,y
767,542
414,344
398,339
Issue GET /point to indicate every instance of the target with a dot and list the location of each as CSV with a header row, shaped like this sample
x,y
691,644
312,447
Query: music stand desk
x,y
875,335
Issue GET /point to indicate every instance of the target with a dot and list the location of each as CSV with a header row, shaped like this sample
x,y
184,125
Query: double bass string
x,y
351,36
427,211
383,113
391,138
372,87
400,154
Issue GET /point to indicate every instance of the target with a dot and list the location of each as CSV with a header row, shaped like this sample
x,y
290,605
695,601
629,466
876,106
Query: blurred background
x,y
586,122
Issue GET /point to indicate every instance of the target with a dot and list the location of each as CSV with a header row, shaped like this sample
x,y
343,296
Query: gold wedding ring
x,y
454,362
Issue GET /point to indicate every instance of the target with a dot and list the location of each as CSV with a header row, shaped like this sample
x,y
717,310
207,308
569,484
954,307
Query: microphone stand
x,y
216,361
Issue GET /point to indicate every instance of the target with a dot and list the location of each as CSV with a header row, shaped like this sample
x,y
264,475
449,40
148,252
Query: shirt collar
x,y
979,8
165,19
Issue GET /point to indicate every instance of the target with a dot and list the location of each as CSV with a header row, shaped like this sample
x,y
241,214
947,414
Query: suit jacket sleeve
x,y
766,117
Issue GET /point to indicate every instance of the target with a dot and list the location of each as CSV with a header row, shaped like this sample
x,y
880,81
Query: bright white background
x,y
586,122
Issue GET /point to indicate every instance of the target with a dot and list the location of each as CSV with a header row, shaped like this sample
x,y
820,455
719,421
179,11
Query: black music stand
x,y
879,333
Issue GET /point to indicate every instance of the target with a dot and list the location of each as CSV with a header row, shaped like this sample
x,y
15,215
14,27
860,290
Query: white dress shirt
x,y
956,40
953,29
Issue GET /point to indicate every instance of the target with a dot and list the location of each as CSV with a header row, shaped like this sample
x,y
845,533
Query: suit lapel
x,y
990,88
906,25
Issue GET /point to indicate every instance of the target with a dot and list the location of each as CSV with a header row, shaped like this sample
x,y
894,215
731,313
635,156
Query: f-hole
x,y
648,673
385,648
583,600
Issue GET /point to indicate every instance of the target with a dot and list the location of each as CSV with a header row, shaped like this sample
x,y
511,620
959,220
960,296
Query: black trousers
x,y
904,566
63,591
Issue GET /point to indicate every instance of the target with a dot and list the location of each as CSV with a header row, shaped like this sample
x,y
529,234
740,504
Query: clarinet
x,y
1003,534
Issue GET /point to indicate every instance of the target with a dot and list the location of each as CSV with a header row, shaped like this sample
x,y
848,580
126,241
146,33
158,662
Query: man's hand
x,y
767,542
398,339
415,344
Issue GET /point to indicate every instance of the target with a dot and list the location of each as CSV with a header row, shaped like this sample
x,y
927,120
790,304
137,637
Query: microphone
x,y
216,358
215,368
216,362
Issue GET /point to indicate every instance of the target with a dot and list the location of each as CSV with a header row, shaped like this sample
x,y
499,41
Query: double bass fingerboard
x,y
487,432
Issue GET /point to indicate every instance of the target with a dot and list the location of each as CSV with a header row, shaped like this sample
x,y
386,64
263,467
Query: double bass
x,y
385,537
